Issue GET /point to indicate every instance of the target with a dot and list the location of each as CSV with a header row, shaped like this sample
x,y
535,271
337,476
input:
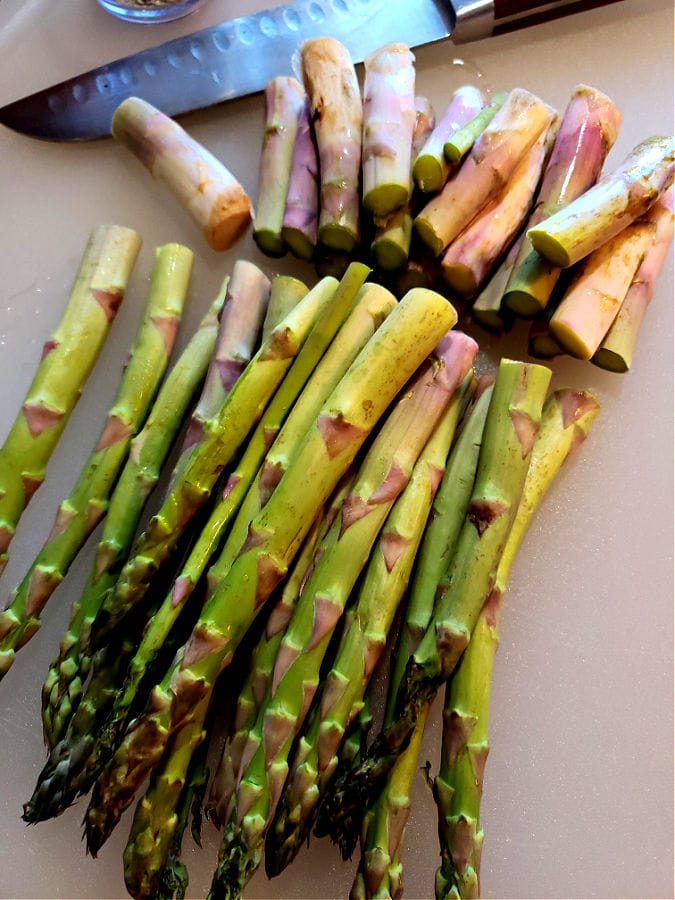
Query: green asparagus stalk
x,y
360,647
431,166
285,293
63,686
388,124
301,214
587,133
591,302
337,115
201,184
284,100
380,480
68,357
246,295
462,140
87,503
395,351
485,171
599,214
510,430
540,342
380,871
615,353
338,302
191,489
473,254
487,308
566,421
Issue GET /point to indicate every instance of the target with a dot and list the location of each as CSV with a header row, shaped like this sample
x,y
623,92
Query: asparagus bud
x,y
604,210
486,170
337,115
198,181
68,357
587,133
284,101
388,123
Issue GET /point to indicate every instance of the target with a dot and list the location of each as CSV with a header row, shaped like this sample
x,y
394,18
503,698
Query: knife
x,y
238,57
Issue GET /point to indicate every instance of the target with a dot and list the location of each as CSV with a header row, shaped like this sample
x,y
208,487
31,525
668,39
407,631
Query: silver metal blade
x,y
229,60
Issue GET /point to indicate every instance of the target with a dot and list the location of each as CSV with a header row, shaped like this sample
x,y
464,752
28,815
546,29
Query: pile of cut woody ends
x,y
342,483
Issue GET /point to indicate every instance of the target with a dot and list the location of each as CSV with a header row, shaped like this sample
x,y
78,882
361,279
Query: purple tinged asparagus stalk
x,y
68,357
337,115
511,428
381,478
618,199
300,224
353,409
431,167
79,513
617,348
567,418
388,124
472,255
587,133
201,184
246,295
485,171
592,301
284,101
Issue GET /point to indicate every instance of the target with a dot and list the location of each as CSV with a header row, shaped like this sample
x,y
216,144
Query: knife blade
x,y
238,57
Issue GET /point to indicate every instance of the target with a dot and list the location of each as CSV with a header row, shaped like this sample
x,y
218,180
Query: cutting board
x,y
579,784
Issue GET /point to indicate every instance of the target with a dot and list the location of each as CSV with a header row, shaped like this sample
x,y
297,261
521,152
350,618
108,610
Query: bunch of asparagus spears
x,y
484,204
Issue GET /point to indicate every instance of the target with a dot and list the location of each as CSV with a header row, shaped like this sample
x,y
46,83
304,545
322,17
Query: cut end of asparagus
x,y
428,173
337,237
298,242
271,243
522,304
550,248
460,278
610,360
427,232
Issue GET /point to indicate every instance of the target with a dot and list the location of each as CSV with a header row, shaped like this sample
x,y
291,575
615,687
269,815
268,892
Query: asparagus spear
x,y
285,293
360,647
67,359
487,308
566,421
337,115
388,123
604,210
587,133
227,431
458,144
202,185
398,347
431,166
246,295
63,686
472,255
615,353
301,214
380,480
284,100
510,430
592,301
487,168
81,511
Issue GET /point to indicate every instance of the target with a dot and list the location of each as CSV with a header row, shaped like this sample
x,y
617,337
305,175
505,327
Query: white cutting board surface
x,y
579,787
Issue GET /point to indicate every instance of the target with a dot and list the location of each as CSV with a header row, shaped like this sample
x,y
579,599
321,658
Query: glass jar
x,y
150,11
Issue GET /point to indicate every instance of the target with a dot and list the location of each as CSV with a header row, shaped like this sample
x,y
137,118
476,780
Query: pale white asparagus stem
x,y
592,300
391,243
68,357
301,214
609,206
431,167
461,141
587,133
202,184
285,292
616,351
240,320
284,101
485,171
337,115
388,124
473,254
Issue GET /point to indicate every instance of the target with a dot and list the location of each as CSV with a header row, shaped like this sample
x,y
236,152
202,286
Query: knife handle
x,y
476,20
